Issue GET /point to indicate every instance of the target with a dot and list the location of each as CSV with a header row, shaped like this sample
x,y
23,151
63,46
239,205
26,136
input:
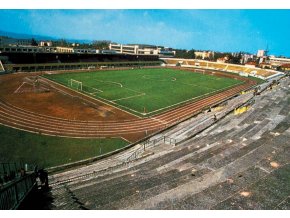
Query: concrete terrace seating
x,y
261,73
240,162
235,68
170,61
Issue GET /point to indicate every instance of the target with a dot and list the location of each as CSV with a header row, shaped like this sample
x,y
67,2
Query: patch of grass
x,y
258,80
48,151
146,91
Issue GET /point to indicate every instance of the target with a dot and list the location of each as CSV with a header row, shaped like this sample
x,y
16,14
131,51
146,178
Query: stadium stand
x,y
37,58
235,68
193,63
209,171
256,72
220,66
16,182
14,62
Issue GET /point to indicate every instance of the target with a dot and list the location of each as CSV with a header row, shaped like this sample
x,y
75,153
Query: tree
x,y
33,42
236,59
101,45
186,54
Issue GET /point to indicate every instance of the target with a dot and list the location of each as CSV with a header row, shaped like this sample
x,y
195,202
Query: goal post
x,y
78,85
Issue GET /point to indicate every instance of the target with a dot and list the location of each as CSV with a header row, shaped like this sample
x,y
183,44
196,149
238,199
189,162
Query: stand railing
x,y
14,192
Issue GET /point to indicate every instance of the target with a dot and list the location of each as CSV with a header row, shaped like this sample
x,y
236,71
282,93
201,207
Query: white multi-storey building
x,y
140,50
261,53
279,61
45,43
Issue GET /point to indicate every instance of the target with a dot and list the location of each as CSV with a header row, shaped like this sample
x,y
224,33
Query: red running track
x,y
29,121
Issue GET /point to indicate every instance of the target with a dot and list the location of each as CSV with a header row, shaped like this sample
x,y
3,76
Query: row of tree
x,y
102,45
187,54
190,54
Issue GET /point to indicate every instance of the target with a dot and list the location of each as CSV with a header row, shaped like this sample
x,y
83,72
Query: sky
x,y
220,30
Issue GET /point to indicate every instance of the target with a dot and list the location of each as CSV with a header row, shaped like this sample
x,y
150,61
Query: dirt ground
x,y
53,102
41,96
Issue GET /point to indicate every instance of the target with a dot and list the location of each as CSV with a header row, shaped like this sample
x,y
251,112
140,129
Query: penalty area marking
x,y
173,79
170,106
206,94
133,96
120,84
98,98
92,93
137,113
97,90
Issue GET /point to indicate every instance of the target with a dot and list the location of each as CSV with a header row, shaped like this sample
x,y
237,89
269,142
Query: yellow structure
x,y
246,92
218,108
241,110
64,50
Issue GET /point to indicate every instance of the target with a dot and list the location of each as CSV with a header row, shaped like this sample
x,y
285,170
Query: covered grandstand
x,y
14,62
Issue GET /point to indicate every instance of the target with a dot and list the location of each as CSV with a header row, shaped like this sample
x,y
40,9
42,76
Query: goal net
x,y
1,67
75,84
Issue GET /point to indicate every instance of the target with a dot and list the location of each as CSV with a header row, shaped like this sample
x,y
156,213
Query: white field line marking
x,y
133,96
133,90
98,90
16,91
59,90
173,79
105,101
196,85
118,106
172,104
120,84
194,98
114,101
90,93
156,79
126,140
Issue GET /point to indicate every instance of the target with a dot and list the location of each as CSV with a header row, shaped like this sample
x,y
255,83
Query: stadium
x,y
143,132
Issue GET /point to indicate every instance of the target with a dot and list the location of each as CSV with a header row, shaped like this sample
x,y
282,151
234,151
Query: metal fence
x,y
13,170
13,193
10,170
146,144
169,141
10,167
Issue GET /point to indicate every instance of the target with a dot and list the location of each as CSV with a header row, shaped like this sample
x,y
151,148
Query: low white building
x,y
85,50
261,53
204,54
278,61
45,43
141,49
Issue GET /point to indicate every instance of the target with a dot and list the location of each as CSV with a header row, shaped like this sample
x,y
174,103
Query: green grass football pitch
x,y
145,92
